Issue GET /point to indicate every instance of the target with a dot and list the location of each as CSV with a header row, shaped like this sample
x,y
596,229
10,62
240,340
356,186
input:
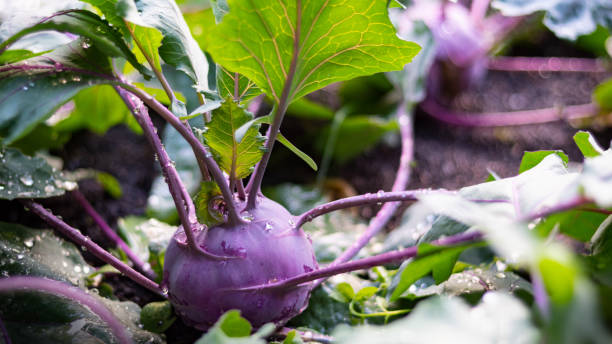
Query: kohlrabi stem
x,y
5,335
557,208
548,64
37,284
478,10
355,201
240,189
198,148
75,236
111,234
283,103
383,216
499,119
366,263
182,200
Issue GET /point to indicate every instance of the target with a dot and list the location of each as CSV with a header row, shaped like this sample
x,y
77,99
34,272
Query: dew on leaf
x,y
29,242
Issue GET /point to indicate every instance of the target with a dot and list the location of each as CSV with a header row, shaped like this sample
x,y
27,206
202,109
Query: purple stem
x,y
283,103
5,334
539,294
401,181
111,234
75,236
12,284
557,208
366,263
180,196
548,64
478,10
498,119
199,150
355,201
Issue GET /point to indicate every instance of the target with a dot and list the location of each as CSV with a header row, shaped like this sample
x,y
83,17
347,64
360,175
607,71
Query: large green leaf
x,y
234,156
22,176
33,89
37,252
324,313
39,317
178,48
566,18
430,259
85,24
336,40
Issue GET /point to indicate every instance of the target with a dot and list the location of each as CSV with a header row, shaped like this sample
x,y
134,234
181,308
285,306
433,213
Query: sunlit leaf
x,y
336,40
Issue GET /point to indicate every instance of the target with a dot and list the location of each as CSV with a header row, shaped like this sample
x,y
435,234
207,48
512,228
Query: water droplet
x,y
268,227
29,242
49,189
76,78
25,88
77,268
26,180
500,275
20,256
246,216
164,290
1,187
63,81
291,223
64,264
100,29
85,44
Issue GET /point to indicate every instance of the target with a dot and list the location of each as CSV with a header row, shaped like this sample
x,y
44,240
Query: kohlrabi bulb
x,y
267,249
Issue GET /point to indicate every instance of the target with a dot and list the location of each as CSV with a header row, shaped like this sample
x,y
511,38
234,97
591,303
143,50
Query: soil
x,y
445,157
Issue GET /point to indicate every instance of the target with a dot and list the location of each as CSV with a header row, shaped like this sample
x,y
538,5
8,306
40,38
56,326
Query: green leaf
x,y
157,317
337,40
323,313
436,259
356,134
293,338
110,184
227,82
38,252
233,156
148,40
209,106
12,56
587,144
531,159
85,24
305,108
365,293
345,292
178,48
22,176
148,238
566,18
34,89
498,318
231,328
577,224
308,160
603,95
202,201
98,109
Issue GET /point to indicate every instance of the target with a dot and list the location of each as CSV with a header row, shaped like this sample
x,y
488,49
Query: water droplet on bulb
x,y
268,227
246,216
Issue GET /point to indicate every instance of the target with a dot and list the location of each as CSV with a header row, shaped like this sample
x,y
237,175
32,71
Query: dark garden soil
x,y
445,157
